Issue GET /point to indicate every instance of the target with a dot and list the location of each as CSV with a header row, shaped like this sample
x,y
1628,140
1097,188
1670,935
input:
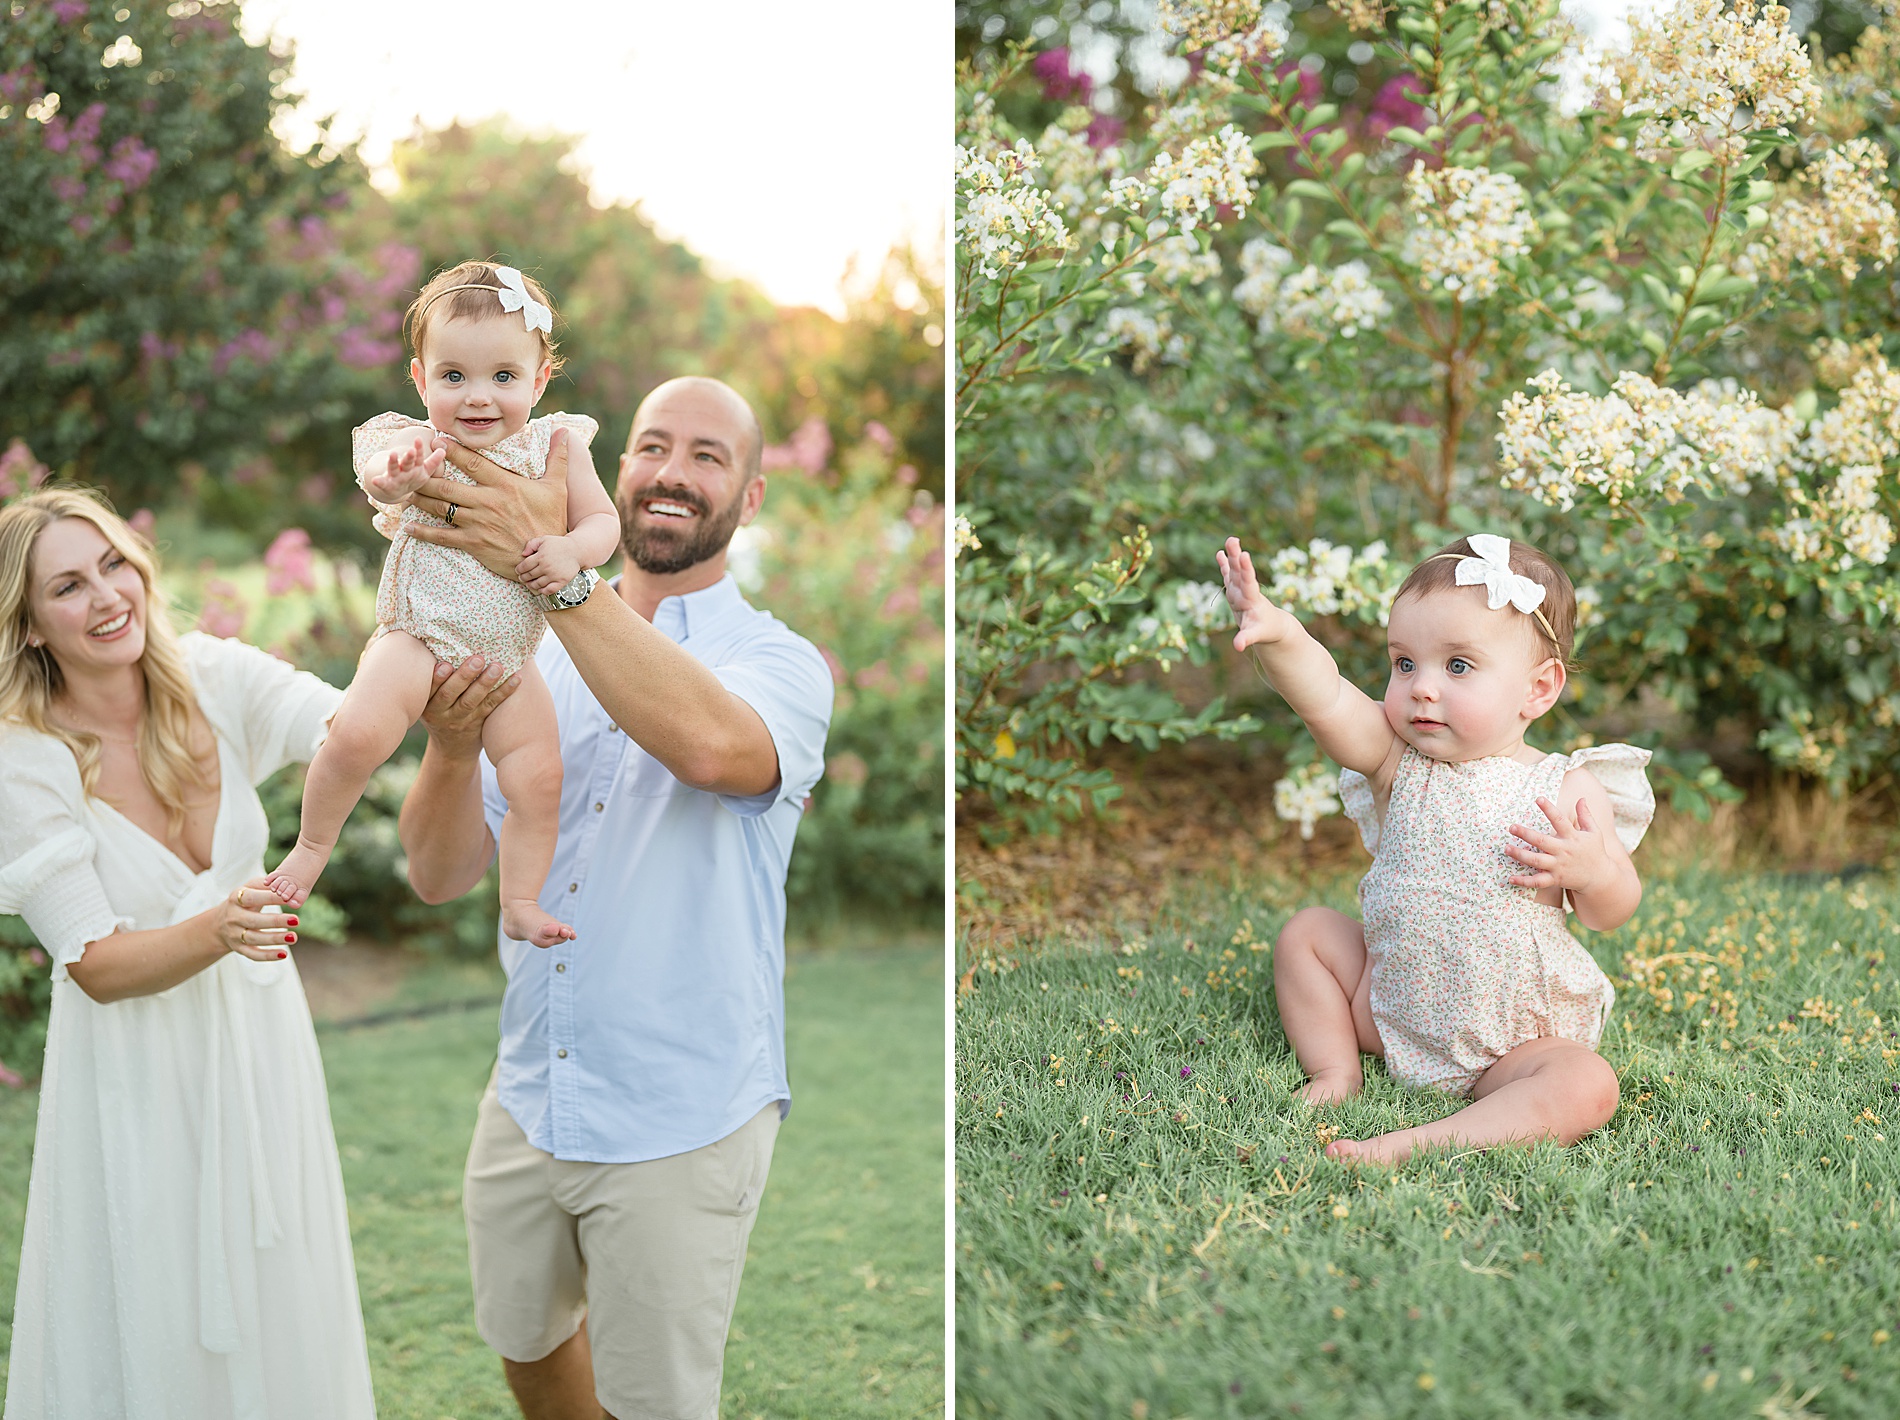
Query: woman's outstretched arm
x,y
126,964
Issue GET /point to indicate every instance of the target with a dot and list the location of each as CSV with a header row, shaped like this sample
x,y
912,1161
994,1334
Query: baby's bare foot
x,y
524,921
298,873
1393,1148
1330,1087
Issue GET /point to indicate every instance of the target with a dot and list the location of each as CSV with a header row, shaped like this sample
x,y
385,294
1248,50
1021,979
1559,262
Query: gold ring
x,y
450,515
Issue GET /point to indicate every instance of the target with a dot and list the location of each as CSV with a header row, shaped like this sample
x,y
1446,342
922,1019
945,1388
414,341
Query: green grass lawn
x,y
841,1313
1147,1226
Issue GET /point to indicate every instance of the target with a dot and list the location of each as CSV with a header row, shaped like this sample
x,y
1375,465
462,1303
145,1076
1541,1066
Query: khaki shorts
x,y
648,1253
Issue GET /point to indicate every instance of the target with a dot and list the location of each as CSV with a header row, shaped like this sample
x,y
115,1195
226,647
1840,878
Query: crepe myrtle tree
x,y
175,310
1361,279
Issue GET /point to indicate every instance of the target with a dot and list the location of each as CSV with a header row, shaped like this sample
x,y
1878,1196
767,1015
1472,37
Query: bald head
x,y
696,397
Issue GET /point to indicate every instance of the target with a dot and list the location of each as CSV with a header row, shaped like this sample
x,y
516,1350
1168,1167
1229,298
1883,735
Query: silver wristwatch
x,y
570,596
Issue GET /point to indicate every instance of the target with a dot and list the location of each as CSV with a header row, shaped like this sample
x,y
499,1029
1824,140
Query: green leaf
x,y
1273,138
1411,137
1693,161
1306,187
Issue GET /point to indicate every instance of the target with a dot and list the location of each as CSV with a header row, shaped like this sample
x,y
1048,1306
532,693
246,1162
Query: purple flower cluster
x,y
1062,79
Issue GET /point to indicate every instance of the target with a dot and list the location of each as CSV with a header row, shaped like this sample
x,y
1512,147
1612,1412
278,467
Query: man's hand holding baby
x,y
398,472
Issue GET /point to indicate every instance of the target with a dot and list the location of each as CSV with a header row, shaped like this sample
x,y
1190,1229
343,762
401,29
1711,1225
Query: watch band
x,y
572,595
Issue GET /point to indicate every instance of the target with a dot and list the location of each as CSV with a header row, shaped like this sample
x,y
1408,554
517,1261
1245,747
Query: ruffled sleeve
x,y
272,712
47,873
1355,793
1619,769
374,435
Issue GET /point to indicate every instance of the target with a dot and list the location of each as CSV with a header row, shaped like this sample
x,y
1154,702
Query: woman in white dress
x,y
187,1251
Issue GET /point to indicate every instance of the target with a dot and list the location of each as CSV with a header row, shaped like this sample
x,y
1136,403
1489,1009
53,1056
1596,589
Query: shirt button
x,y
560,966
599,807
573,887
561,1053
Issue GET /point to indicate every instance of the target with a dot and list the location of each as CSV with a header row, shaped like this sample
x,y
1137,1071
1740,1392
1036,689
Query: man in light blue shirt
x,y
624,1141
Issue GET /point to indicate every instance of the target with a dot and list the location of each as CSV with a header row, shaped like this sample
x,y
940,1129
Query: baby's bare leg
x,y
522,738
1544,1089
392,685
1324,990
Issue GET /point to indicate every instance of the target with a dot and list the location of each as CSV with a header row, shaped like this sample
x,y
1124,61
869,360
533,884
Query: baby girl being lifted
x,y
1463,975
484,351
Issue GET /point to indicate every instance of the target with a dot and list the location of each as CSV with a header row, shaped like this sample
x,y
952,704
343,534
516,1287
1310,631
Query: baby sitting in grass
x,y
1463,975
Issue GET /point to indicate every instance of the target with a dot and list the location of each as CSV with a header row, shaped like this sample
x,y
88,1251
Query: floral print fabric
x,y
441,595
1465,965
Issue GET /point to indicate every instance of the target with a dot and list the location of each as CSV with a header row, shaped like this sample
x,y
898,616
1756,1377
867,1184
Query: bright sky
x,y
775,140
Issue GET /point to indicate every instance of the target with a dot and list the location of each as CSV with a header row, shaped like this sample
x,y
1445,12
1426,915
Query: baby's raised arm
x,y
1348,724
593,535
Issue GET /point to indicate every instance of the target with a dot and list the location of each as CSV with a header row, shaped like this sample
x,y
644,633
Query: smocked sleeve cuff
x,y
1355,794
1619,769
55,888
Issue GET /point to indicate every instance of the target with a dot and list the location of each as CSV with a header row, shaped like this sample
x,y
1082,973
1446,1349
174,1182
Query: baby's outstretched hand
x,y
1572,856
1261,622
404,469
548,564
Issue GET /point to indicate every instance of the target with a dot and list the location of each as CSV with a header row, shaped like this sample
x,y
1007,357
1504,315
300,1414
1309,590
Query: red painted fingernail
x,y
282,955
290,921
290,936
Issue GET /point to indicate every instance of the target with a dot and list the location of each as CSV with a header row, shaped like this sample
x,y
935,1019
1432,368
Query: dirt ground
x,y
348,979
1200,812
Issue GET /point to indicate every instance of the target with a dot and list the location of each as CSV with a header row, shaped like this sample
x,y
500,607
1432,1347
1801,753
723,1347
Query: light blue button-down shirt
x,y
662,1028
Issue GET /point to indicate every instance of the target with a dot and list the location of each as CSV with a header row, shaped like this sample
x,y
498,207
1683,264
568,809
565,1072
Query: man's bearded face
x,y
668,528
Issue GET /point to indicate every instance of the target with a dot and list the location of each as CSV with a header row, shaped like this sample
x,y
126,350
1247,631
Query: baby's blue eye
x,y
1458,665
1404,663
453,376
503,376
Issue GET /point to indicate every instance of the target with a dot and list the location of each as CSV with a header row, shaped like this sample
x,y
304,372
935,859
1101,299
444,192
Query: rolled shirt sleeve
x,y
786,681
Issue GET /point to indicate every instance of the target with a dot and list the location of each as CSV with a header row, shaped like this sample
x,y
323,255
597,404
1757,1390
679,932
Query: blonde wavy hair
x,y
30,679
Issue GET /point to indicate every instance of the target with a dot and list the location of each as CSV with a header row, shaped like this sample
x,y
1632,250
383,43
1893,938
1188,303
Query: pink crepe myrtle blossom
x,y
360,350
224,610
878,434
808,449
131,163
1062,78
20,472
66,11
847,769
144,522
288,563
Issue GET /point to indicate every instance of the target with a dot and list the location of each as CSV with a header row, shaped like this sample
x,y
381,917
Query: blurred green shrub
x,y
853,559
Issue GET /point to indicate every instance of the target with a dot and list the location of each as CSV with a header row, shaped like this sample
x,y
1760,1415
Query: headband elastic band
x,y
513,293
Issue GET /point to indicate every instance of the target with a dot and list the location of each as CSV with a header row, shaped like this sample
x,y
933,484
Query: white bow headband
x,y
1491,569
514,297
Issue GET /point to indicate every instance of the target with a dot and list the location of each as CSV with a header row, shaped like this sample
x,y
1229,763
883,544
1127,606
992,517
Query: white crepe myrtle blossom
x,y
1641,439
1229,35
1864,427
1467,221
1179,261
1074,170
1699,77
1005,217
1201,606
1844,219
1307,795
963,537
1197,444
1312,303
1147,337
1211,172
1324,579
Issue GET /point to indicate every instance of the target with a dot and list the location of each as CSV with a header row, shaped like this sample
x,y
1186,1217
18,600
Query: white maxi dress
x,y
187,1250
